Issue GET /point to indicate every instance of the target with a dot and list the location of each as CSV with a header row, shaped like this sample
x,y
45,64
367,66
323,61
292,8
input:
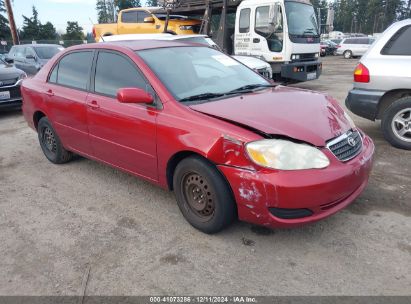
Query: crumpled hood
x,y
303,115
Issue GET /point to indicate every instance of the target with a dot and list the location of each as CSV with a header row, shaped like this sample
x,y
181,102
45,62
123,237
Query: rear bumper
x,y
271,198
301,71
364,103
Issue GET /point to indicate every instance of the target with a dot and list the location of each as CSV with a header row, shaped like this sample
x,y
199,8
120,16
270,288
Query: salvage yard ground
x,y
58,222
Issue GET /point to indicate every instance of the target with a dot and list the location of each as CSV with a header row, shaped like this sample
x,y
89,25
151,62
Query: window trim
x,y
249,20
156,103
57,63
393,38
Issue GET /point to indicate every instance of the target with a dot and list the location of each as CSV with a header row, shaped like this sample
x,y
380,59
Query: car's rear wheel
x,y
203,195
50,143
347,54
396,123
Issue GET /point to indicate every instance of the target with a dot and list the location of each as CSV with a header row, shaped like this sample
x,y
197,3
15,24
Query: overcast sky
x,y
57,12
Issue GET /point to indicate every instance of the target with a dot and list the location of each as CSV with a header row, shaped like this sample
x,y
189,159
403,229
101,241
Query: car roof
x,y
135,45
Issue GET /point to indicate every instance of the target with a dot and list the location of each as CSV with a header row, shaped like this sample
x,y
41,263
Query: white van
x,y
354,47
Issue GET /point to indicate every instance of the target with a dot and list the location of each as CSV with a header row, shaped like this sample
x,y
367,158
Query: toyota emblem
x,y
351,141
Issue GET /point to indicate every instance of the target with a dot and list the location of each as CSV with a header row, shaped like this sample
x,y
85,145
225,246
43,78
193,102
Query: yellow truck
x,y
145,20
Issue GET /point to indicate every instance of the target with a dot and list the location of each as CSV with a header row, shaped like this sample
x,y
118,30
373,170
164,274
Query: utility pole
x,y
11,22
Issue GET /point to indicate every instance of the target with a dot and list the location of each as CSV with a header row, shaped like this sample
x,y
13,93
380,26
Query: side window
x,y
74,69
129,17
245,20
399,44
141,15
29,51
113,71
53,75
20,52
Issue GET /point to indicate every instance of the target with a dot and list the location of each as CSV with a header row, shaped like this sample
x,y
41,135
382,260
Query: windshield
x,y
301,19
195,71
46,52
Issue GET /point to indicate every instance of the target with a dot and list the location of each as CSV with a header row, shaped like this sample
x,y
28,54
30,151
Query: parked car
x,y
145,20
10,80
226,140
354,47
382,84
31,57
336,41
328,48
254,63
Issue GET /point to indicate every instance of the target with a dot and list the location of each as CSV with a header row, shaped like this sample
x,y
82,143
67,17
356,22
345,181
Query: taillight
x,y
94,32
361,73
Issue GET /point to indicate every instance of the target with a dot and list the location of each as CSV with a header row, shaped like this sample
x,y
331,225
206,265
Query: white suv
x,y
354,47
382,84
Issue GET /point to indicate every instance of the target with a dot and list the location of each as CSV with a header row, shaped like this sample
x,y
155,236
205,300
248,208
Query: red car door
x,y
123,135
66,92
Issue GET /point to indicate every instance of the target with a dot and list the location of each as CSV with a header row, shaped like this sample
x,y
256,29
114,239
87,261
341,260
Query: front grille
x,y
346,146
14,91
305,57
8,82
264,72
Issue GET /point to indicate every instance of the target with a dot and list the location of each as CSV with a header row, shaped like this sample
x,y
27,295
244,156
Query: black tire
x,y
399,110
347,54
50,143
214,207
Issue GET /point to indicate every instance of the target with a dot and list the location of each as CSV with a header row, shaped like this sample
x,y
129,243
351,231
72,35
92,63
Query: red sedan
x,y
192,119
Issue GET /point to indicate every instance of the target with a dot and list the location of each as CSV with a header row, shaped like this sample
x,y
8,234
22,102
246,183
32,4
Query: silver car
x,y
354,47
382,84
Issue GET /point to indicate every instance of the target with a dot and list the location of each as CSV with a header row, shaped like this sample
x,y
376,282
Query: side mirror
x,y
9,60
133,95
149,20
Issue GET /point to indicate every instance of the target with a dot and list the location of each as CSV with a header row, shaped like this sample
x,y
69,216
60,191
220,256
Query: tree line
x,y
363,16
33,29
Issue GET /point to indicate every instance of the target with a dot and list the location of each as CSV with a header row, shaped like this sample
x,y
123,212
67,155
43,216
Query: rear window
x,y
129,17
399,44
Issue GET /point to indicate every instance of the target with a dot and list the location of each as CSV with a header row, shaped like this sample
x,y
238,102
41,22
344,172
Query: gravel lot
x,y
59,222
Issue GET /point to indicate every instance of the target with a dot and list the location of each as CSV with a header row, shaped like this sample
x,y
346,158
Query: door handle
x,y
256,40
93,105
50,93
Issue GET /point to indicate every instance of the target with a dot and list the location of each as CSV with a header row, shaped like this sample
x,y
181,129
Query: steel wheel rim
x,y
401,125
347,55
49,140
198,195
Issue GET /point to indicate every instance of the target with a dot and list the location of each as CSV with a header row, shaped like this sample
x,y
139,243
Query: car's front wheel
x,y
347,54
396,123
50,143
203,195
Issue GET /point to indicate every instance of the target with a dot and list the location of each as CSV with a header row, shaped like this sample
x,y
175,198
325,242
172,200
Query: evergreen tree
x,y
47,32
73,31
31,26
4,23
123,4
154,3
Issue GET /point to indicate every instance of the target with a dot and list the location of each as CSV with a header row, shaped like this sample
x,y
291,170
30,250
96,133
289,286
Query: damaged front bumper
x,y
290,198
